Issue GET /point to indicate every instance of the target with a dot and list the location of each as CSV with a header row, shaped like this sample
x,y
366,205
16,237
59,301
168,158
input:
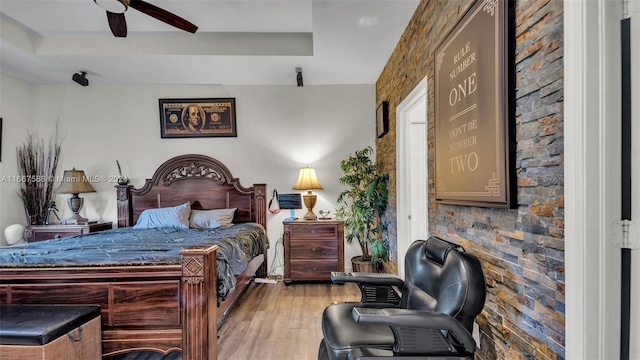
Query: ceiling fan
x,y
116,9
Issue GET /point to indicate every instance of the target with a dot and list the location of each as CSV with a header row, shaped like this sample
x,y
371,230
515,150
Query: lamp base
x,y
310,201
76,219
310,216
75,204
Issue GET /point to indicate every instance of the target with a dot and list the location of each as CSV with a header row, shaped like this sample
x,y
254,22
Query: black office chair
x,y
429,315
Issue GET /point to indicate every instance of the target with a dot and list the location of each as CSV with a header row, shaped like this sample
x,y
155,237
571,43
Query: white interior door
x,y
411,145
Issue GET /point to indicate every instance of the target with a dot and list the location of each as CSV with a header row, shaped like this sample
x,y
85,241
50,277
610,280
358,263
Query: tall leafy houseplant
x,y
37,167
362,205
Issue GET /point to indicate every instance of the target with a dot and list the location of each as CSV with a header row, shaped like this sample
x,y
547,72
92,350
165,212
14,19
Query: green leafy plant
x,y
362,205
37,167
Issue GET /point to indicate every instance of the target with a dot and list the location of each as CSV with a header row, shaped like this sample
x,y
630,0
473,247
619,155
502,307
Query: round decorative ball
x,y
14,234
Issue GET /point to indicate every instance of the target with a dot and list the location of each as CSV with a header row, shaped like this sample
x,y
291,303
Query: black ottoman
x,y
48,332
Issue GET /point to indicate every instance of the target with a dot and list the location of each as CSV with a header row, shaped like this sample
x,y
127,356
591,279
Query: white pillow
x,y
211,219
170,217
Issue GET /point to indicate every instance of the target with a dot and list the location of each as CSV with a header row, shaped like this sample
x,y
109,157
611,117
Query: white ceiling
x,y
238,42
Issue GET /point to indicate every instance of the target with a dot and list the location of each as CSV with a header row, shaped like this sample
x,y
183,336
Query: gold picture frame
x,y
474,109
205,117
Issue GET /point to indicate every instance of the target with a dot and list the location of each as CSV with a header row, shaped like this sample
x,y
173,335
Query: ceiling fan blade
x,y
163,15
118,24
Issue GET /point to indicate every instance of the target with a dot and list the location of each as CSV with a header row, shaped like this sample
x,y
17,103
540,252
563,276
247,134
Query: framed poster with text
x,y
474,109
181,118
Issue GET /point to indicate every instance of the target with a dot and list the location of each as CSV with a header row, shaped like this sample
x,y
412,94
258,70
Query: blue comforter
x,y
238,244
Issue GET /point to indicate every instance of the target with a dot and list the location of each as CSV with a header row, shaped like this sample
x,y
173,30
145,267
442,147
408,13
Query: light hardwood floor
x,y
279,322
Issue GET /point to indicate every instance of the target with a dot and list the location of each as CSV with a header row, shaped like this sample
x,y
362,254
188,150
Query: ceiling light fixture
x,y
299,76
81,78
113,6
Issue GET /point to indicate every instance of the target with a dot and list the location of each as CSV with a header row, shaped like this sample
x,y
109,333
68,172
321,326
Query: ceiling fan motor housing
x,y
113,6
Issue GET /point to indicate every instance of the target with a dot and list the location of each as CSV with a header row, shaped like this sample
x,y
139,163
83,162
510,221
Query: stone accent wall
x,y
522,250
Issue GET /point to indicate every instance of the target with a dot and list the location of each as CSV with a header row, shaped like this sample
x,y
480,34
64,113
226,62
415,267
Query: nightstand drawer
x,y
313,249
302,232
46,235
313,270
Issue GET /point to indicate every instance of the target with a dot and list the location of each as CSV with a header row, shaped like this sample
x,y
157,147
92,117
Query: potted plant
x,y
37,167
361,208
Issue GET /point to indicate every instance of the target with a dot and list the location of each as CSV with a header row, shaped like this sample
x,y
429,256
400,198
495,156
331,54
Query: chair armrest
x,y
374,287
415,319
367,278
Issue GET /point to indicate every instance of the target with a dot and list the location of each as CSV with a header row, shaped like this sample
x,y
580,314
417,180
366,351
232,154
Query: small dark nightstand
x,y
45,232
313,249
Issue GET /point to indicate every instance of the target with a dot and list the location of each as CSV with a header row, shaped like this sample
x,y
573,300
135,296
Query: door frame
x,y
417,95
592,177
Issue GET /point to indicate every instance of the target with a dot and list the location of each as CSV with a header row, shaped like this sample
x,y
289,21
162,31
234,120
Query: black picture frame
x,y
204,117
382,119
474,95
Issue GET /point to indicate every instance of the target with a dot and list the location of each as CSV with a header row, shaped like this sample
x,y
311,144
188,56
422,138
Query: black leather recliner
x,y
429,315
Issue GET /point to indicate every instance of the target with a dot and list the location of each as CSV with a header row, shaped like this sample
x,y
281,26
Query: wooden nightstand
x,y
45,232
313,249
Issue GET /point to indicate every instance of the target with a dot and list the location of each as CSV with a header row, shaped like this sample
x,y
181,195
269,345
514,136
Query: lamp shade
x,y
75,182
307,180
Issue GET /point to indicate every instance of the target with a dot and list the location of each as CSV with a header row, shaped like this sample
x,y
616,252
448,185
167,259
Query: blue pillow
x,y
176,217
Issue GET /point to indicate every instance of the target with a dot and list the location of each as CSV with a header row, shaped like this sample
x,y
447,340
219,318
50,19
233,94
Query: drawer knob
x,y
313,231
314,249
56,236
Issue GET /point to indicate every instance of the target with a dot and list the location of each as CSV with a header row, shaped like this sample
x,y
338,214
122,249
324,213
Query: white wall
x,y
16,109
280,129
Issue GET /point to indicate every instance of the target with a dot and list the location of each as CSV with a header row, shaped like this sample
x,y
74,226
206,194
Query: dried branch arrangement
x,y
37,166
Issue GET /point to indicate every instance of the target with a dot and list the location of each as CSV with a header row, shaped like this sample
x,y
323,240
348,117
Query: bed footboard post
x,y
260,196
199,303
125,206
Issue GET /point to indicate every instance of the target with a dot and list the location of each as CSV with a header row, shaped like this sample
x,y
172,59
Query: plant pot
x,y
359,265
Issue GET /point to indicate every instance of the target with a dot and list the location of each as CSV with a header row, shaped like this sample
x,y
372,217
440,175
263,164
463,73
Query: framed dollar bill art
x,y
475,109
185,118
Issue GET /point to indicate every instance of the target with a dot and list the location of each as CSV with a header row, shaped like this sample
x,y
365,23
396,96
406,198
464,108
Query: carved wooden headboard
x,y
203,181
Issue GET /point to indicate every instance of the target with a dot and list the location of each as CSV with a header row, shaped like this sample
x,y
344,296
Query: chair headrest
x,y
437,249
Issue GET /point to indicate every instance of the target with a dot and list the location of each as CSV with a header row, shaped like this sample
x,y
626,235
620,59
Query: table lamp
x,y
75,182
307,180
291,202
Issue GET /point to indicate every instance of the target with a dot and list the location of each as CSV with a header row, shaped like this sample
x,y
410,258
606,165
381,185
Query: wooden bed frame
x,y
163,307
